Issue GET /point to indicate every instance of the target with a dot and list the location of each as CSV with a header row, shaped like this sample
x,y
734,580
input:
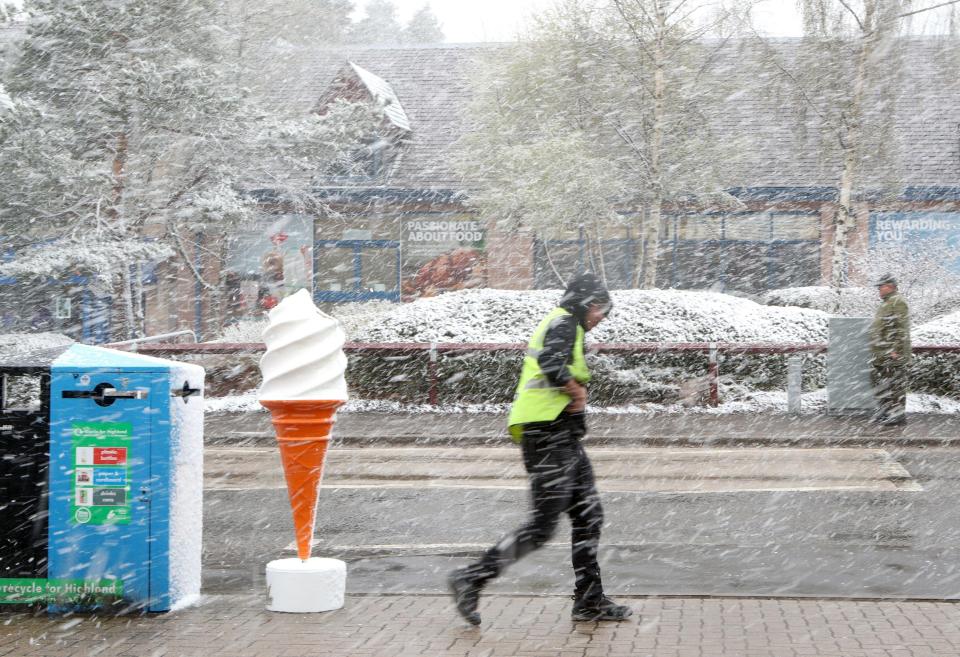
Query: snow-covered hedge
x,y
19,346
853,301
504,316
926,303
938,375
943,330
638,316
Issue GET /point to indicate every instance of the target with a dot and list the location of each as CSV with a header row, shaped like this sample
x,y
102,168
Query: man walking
x,y
547,419
890,348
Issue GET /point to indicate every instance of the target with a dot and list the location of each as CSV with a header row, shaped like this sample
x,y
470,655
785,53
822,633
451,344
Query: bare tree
x,y
632,81
845,77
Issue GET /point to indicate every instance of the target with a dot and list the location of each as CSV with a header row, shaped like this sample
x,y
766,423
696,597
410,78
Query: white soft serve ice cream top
x,y
304,358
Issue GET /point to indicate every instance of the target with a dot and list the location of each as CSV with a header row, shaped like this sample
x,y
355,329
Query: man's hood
x,y
582,291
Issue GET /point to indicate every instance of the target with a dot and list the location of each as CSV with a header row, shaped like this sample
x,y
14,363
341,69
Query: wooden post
x,y
713,374
433,376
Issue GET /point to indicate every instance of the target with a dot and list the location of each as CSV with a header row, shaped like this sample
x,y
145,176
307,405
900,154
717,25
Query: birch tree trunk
x,y
651,237
126,282
641,250
850,138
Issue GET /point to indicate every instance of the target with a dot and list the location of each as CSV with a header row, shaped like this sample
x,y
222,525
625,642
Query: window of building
x,y
747,252
270,259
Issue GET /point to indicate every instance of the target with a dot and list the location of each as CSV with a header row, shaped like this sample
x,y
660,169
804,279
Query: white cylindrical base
x,y
316,584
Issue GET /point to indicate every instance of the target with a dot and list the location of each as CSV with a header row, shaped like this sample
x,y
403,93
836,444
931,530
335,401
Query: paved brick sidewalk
x,y
415,626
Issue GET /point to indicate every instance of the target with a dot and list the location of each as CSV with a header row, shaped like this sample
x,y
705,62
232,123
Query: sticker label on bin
x,y
21,591
109,455
101,481
109,477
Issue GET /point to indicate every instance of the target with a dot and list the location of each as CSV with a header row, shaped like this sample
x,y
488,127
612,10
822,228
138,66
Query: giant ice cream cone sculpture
x,y
303,385
303,430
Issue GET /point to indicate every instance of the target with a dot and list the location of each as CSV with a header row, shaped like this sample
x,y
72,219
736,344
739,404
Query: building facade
x,y
405,228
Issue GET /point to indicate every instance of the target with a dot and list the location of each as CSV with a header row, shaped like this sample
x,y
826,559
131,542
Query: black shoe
x,y
466,594
603,609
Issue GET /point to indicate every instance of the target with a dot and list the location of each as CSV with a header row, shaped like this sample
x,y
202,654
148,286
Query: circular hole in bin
x,y
98,394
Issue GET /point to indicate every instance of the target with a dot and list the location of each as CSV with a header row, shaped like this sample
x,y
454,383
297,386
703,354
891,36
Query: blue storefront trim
x,y
796,194
368,195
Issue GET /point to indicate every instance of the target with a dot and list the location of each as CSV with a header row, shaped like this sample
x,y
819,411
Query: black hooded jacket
x,y
561,335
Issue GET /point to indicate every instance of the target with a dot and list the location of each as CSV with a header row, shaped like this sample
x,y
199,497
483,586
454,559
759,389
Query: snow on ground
x,y
247,403
814,402
638,316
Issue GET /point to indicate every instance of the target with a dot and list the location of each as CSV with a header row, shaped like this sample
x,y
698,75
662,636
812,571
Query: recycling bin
x,y
24,459
119,485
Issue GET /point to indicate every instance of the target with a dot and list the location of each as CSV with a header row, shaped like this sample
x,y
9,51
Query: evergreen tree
x,y
379,26
124,118
423,27
300,22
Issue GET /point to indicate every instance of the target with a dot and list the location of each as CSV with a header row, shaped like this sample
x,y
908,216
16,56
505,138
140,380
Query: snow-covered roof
x,y
383,94
432,82
435,85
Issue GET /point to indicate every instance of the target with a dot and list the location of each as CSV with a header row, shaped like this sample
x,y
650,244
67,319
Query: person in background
x,y
890,350
548,420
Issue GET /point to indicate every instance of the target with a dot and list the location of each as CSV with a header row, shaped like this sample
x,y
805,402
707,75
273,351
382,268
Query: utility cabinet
x,y
849,388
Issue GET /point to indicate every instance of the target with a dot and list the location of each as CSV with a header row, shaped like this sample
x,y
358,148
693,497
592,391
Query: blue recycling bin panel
x,y
125,482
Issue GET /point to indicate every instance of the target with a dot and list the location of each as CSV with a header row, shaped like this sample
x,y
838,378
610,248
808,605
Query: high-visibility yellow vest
x,y
536,399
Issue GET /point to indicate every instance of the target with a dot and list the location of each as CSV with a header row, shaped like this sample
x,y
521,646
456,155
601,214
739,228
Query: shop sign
x,y
918,232
433,237
441,253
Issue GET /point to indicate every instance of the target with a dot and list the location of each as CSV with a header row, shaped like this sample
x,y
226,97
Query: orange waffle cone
x,y
303,430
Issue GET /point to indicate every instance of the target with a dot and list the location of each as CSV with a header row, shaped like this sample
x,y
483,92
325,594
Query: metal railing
x,y
133,344
714,351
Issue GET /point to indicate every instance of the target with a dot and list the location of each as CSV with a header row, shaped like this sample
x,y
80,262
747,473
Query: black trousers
x,y
561,481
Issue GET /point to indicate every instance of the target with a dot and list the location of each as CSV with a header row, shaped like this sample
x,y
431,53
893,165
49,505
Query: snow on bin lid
x,y
35,350
85,357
